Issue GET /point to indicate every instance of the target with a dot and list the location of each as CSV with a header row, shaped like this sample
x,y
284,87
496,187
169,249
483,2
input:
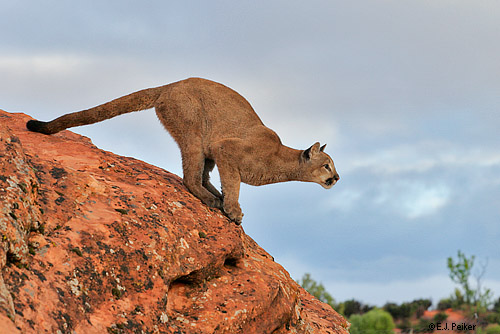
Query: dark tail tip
x,y
38,126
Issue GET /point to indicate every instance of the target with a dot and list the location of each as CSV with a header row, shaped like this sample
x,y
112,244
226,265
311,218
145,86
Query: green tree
x,y
440,317
393,310
460,272
351,307
402,311
376,321
316,289
454,301
444,304
423,325
419,306
407,310
496,306
495,329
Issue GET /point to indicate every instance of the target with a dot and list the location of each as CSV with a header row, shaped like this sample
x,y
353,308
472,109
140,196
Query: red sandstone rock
x,y
93,242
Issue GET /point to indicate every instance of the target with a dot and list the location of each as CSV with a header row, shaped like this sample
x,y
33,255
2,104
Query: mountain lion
x,y
213,125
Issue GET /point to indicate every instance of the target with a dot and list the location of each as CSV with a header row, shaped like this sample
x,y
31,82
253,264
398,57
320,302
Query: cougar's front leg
x,y
230,181
229,177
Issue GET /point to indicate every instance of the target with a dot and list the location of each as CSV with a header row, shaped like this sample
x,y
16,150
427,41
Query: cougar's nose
x,y
336,177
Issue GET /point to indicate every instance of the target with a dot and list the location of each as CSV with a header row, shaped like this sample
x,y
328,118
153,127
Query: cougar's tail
x,y
137,101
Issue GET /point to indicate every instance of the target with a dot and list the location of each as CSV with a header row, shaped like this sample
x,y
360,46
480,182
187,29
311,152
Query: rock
x,y
93,242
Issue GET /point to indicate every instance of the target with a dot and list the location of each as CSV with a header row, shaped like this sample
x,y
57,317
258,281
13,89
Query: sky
x,y
405,94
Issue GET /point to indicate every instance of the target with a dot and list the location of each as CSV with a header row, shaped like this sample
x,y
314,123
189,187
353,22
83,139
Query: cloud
x,y
344,199
413,199
425,201
43,64
414,180
424,156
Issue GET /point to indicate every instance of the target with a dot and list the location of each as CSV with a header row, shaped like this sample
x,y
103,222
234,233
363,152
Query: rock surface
x,y
93,242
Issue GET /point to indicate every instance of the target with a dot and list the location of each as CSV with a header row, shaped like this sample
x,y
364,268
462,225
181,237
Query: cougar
x,y
213,125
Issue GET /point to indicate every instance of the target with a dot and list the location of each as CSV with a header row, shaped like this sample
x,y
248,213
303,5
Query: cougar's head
x,y
318,166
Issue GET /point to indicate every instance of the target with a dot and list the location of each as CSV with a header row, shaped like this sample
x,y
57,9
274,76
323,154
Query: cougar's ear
x,y
322,148
311,151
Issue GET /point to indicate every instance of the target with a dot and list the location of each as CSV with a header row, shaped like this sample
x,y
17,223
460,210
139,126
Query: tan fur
x,y
212,124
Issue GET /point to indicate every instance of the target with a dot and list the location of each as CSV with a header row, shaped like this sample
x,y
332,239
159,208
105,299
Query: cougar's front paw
x,y
234,213
214,203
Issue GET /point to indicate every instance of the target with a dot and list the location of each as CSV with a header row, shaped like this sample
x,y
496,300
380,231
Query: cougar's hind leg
x,y
193,164
209,166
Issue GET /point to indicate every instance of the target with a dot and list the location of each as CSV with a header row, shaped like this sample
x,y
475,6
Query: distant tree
x,y
445,304
493,318
406,310
366,308
422,326
402,311
405,325
316,289
495,329
419,306
356,321
440,317
393,310
351,307
482,297
376,321
460,272
496,306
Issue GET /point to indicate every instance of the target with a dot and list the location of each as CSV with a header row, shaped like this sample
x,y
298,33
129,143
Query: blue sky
x,y
405,94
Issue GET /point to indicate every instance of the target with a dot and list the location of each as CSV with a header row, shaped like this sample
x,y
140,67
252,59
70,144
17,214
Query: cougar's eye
x,y
327,167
